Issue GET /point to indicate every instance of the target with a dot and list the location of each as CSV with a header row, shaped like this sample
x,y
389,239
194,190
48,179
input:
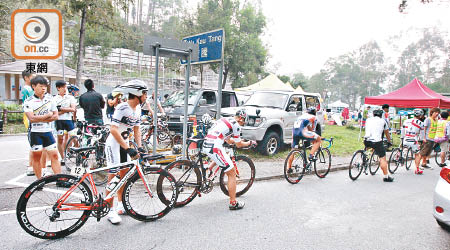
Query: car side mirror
x,y
242,103
258,111
202,102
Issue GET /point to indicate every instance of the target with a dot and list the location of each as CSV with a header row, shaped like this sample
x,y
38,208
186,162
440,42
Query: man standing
x,y
27,91
92,103
411,131
430,127
66,105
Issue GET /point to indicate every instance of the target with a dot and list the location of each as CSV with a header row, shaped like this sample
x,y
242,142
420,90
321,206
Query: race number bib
x,y
78,170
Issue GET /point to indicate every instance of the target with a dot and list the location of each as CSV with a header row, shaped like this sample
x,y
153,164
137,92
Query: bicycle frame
x,y
88,175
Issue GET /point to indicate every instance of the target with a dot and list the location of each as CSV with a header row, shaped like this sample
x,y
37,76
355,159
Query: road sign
x,y
210,46
171,48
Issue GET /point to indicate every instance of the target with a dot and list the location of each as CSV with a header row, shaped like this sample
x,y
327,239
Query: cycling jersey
x,y
411,129
40,107
302,127
65,101
375,127
306,120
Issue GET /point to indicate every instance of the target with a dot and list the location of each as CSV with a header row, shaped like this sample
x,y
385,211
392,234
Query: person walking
x,y
92,103
430,127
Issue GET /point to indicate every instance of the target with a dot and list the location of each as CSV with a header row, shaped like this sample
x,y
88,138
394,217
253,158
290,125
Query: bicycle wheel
x,y
245,176
101,177
409,158
137,202
70,157
374,163
295,172
437,157
36,211
395,160
356,164
192,150
323,163
188,181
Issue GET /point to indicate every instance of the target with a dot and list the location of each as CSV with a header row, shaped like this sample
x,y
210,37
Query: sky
x,y
302,34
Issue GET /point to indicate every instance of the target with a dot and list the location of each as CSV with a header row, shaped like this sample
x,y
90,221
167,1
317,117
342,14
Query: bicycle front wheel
x,y
356,164
294,172
36,209
245,176
70,157
395,160
143,205
409,158
188,181
323,162
374,163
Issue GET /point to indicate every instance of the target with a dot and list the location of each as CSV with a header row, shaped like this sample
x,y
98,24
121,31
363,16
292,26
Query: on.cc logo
x,y
36,29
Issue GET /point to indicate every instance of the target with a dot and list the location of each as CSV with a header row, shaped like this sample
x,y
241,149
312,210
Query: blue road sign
x,y
210,46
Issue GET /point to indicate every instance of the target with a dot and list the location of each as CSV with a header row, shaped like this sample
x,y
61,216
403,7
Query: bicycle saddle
x,y
151,157
82,149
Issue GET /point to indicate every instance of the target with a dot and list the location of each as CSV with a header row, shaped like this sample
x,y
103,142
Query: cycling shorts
x,y
378,147
303,134
40,140
216,152
115,154
65,125
414,145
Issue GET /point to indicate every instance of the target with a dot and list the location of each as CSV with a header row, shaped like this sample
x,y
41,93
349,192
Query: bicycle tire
x,y
394,160
192,153
374,158
161,183
188,181
322,156
245,176
409,158
355,165
300,163
70,157
34,203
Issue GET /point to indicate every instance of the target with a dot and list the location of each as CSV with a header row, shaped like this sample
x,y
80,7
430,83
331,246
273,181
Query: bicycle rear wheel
x,y
70,157
322,164
36,210
192,150
295,171
245,176
395,160
188,181
356,165
137,201
437,157
409,158
374,163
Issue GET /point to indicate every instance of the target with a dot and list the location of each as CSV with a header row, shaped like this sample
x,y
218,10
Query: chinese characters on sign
x,y
41,67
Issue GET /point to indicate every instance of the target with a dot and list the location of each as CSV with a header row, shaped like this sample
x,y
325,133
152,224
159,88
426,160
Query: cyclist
x,y
227,129
126,116
304,128
411,131
66,105
40,110
375,126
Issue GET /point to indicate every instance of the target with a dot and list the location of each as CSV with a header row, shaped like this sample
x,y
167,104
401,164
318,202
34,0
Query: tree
x,y
284,78
299,79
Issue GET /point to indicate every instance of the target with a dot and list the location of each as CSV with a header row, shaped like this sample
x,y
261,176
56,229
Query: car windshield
x,y
268,100
177,98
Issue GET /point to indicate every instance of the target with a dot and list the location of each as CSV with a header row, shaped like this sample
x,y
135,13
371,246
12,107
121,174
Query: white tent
x,y
338,104
271,82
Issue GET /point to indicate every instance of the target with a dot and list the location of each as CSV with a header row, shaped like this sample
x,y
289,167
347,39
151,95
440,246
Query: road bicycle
x,y
201,132
165,138
300,163
437,156
400,156
58,205
361,161
194,178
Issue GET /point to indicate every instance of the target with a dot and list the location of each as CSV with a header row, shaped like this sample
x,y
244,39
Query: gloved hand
x,y
142,150
132,152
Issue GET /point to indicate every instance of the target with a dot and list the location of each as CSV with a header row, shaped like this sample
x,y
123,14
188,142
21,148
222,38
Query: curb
x,y
338,167
7,135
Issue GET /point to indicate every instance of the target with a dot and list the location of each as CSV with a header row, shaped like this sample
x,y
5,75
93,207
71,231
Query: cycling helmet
x,y
134,87
242,113
378,112
206,118
418,112
311,111
72,88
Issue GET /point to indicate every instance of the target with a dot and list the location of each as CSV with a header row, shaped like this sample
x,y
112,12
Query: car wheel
x,y
270,144
443,225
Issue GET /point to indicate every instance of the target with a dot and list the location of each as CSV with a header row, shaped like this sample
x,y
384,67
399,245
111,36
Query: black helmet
x,y
378,112
242,113
311,111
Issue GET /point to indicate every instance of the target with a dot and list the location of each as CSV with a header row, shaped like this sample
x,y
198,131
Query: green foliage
x,y
284,78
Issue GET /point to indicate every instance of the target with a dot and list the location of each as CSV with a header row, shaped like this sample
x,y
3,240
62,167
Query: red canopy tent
x,y
413,95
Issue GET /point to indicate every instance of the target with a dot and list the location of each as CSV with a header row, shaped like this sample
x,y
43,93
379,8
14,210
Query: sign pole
x,y
219,90
186,97
155,99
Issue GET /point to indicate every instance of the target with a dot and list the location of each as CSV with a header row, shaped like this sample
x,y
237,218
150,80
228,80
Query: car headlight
x,y
255,121
259,121
251,122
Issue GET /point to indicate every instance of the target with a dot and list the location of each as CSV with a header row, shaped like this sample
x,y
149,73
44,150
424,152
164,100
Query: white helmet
x,y
206,118
135,87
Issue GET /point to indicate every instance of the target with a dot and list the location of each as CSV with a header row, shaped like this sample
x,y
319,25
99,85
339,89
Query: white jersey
x,y
411,129
65,102
40,107
374,128
223,129
125,117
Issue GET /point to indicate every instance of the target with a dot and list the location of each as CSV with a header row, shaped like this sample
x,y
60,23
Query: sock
x,y
385,176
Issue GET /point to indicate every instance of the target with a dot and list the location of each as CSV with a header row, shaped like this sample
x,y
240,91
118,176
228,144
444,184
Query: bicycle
x,y
437,156
193,178
201,132
400,156
58,205
360,161
300,163
165,138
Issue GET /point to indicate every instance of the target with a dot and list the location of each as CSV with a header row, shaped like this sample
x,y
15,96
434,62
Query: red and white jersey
x,y
225,128
411,129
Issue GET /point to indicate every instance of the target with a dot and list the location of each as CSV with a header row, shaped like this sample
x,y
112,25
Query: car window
x,y
312,101
229,100
210,97
295,104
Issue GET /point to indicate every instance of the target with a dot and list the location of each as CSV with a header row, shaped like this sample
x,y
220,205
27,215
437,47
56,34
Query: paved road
x,y
330,213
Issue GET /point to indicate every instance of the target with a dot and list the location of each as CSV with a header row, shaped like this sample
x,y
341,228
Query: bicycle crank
x,y
207,187
101,208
